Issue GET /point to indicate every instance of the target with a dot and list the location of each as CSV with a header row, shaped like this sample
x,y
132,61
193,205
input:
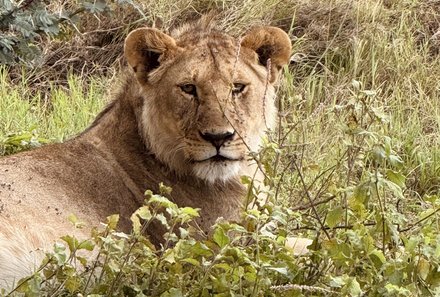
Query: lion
x,y
190,108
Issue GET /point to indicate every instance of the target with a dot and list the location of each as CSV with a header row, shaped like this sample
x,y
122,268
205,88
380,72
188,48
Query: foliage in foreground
x,y
249,258
238,260
364,245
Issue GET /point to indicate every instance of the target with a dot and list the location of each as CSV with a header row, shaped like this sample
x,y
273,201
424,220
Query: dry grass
x,y
95,45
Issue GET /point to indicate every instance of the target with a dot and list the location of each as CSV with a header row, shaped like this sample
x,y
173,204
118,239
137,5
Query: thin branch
x,y
301,288
419,221
305,207
382,209
318,218
332,228
266,87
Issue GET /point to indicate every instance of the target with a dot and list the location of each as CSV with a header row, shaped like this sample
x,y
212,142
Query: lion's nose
x,y
217,139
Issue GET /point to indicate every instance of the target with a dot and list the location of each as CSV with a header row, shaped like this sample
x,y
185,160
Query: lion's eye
x,y
237,89
189,89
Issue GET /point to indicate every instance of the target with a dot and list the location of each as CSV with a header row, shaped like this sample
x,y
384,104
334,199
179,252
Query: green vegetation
x,y
22,23
30,117
355,165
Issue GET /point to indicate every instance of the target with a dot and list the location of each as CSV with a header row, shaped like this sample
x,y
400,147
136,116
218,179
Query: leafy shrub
x,y
24,23
363,244
235,260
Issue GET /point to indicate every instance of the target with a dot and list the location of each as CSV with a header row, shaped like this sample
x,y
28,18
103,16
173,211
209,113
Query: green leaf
x,y
136,224
173,292
200,249
86,245
144,213
336,282
161,201
96,6
340,252
394,290
112,221
220,238
183,232
114,266
82,260
412,244
396,178
395,160
75,221
72,284
224,266
191,261
397,190
169,256
348,284
245,180
423,268
59,253
31,287
280,217
163,220
164,190
191,212
378,258
335,216
51,30
281,270
378,154
353,287
71,241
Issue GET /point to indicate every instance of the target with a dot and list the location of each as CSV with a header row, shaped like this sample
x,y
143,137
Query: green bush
x,y
363,244
246,259
23,24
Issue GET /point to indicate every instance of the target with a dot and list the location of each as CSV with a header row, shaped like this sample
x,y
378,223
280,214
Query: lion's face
x,y
212,108
207,102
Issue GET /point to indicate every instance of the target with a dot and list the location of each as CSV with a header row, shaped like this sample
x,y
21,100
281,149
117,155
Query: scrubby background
x,y
354,165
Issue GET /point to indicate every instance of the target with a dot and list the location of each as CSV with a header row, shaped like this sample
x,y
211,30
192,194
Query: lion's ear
x,y
270,43
146,48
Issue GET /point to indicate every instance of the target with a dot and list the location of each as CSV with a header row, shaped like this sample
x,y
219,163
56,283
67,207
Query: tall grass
x,y
383,52
53,115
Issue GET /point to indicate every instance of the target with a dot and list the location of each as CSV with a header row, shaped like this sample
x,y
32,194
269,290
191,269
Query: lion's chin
x,y
215,171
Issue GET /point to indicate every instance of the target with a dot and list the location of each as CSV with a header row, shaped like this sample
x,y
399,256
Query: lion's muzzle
x,y
218,139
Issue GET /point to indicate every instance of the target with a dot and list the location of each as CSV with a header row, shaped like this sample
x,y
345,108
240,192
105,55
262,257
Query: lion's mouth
x,y
217,158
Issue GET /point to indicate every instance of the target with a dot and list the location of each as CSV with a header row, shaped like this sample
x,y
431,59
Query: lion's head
x,y
207,97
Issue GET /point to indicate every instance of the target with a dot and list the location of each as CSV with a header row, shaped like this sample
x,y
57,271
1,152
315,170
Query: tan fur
x,y
151,133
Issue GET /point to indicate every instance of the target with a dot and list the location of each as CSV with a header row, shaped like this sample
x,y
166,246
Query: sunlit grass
x,y
55,115
388,59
